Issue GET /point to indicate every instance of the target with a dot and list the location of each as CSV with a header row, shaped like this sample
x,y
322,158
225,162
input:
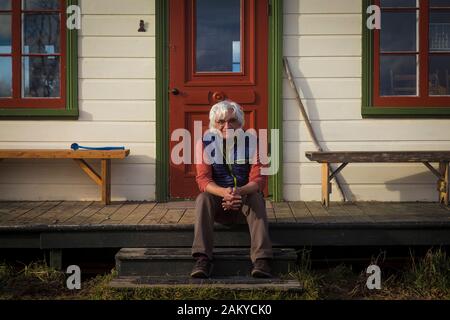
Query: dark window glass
x,y
5,77
439,3
41,4
41,77
5,33
398,75
439,31
439,74
218,47
398,3
5,4
399,31
41,33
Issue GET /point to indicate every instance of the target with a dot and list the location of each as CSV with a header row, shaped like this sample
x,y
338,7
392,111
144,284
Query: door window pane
x,y
40,77
398,75
41,33
399,31
5,77
5,4
218,41
439,75
40,4
439,31
5,33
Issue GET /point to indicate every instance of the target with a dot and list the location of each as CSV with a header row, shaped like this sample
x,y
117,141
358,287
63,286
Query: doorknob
x,y
175,91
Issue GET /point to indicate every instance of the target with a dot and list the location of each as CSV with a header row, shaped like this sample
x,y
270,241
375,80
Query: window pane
x,y
398,75
398,31
5,4
40,4
5,77
41,77
439,75
5,33
399,3
440,3
218,36
41,33
440,31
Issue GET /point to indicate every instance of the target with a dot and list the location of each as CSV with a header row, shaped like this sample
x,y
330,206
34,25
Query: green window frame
x,y
71,105
368,108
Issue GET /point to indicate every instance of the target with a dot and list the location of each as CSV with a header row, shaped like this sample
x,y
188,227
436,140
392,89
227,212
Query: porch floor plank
x,y
139,213
154,216
102,215
301,212
85,214
30,215
121,214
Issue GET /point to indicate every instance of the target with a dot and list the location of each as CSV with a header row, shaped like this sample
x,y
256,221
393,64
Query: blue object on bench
x,y
76,146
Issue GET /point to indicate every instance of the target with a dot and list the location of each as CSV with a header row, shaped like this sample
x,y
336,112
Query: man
x,y
226,188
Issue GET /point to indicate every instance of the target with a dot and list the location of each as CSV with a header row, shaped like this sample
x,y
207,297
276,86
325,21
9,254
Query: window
x,y
37,59
407,62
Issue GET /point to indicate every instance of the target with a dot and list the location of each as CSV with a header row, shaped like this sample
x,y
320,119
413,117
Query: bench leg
x,y
443,183
326,186
106,181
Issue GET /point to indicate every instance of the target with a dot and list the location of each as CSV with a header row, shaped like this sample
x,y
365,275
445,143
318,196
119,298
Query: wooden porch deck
x,y
67,224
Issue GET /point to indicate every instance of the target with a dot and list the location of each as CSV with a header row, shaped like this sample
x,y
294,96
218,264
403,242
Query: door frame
x,y
275,95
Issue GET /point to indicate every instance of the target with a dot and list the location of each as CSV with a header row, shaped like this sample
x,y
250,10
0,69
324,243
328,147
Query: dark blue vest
x,y
240,167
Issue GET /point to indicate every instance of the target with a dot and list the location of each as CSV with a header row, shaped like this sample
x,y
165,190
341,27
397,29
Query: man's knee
x,y
204,197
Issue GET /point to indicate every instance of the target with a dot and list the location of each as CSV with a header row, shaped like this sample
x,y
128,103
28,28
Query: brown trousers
x,y
208,209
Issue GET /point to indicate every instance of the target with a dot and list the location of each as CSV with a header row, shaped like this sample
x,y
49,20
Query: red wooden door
x,y
218,50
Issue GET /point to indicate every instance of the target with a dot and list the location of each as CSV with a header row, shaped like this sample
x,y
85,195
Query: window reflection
x,y
218,41
41,77
5,77
398,75
5,33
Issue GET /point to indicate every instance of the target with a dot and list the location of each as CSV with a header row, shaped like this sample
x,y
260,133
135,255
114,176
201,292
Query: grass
x,y
424,277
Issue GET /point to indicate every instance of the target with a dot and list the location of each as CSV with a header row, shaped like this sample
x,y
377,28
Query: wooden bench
x,y
80,157
344,158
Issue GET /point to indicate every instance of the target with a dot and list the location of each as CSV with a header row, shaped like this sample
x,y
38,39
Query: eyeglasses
x,y
232,121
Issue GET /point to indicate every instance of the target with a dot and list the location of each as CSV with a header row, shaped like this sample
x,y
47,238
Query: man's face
x,y
230,122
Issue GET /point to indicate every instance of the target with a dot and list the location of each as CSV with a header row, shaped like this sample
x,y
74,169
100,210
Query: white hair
x,y
219,112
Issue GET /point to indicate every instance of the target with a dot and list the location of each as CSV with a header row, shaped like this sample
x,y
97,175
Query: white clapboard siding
x,y
322,6
117,68
322,24
68,192
361,173
118,7
323,109
117,110
69,131
117,47
117,89
325,67
70,173
370,130
113,25
379,192
323,46
324,88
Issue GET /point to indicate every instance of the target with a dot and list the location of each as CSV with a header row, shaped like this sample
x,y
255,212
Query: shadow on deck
x,y
65,224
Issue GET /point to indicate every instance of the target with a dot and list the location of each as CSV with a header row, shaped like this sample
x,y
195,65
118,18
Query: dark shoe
x,y
261,269
202,268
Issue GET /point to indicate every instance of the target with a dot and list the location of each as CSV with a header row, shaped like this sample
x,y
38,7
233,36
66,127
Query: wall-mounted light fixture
x,y
142,26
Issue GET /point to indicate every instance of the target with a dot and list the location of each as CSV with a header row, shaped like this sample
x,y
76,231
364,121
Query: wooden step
x,y
230,283
162,262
